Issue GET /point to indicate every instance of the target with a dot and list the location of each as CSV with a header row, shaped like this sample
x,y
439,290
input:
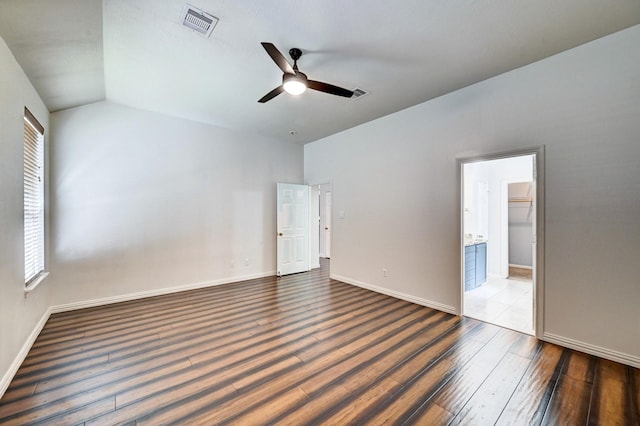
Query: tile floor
x,y
504,302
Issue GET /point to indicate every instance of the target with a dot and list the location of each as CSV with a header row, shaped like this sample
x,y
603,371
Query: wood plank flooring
x,y
304,349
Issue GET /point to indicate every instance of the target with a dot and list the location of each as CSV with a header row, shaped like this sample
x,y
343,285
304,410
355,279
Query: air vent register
x,y
198,20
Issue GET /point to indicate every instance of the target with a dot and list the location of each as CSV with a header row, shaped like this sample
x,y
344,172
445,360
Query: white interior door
x,y
293,228
315,234
327,224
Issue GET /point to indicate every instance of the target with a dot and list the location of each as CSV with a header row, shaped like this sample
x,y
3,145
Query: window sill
x,y
35,282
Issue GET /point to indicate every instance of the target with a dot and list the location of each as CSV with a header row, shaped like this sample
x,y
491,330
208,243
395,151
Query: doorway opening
x,y
500,222
320,219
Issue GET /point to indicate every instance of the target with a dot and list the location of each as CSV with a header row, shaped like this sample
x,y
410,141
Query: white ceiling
x,y
137,53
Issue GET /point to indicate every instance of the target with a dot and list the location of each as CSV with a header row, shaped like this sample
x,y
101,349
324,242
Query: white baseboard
x,y
612,355
158,292
609,354
515,265
398,295
17,362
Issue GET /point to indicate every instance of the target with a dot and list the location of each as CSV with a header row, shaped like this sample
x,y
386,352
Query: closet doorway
x,y
320,220
499,250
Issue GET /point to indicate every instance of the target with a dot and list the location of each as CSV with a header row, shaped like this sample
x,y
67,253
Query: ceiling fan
x,y
294,81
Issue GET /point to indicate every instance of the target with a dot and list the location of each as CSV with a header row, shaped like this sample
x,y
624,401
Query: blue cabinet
x,y
481,263
469,267
475,265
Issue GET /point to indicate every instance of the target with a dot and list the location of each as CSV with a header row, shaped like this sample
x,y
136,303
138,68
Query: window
x,y
33,200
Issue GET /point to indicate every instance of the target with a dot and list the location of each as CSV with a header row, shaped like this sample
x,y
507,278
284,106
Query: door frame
x,y
314,226
322,213
539,243
328,225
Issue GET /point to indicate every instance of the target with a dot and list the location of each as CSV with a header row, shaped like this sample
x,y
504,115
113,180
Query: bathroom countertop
x,y
472,242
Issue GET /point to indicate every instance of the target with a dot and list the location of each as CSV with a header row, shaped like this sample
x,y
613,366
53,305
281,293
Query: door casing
x,y
538,252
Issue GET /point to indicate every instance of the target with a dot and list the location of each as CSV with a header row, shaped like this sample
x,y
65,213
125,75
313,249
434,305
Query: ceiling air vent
x,y
358,93
198,20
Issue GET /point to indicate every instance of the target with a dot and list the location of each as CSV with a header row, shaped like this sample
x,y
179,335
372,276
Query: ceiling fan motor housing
x,y
298,76
295,53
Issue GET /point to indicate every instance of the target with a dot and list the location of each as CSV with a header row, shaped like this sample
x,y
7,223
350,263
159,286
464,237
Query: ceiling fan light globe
x,y
294,84
294,87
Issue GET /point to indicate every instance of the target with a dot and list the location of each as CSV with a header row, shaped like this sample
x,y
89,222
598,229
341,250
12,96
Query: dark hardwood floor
x,y
304,349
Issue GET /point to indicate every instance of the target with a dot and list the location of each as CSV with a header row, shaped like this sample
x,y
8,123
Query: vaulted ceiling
x,y
138,53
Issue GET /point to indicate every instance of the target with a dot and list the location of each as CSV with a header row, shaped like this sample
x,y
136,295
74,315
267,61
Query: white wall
x,y
396,179
18,315
144,202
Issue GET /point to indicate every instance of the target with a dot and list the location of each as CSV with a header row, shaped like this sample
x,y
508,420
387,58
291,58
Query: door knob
x,y
326,229
279,234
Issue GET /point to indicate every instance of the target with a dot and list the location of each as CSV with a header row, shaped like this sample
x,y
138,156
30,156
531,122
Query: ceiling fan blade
x,y
329,88
278,58
272,94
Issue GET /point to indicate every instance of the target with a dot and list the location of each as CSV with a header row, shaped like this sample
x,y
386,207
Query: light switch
x,y
341,214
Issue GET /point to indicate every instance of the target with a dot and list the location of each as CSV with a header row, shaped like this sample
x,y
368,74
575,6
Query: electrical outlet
x,y
246,261
385,273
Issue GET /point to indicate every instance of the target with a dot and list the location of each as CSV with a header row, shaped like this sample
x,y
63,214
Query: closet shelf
x,y
521,200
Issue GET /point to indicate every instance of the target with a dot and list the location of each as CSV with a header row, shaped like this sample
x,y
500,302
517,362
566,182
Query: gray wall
x,y
397,181
18,315
144,201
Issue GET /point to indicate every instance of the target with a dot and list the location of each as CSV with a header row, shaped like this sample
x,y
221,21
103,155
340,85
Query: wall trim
x,y
398,295
599,351
151,293
577,345
515,265
22,354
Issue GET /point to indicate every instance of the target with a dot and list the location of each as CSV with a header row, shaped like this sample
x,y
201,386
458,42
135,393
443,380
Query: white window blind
x,y
33,197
